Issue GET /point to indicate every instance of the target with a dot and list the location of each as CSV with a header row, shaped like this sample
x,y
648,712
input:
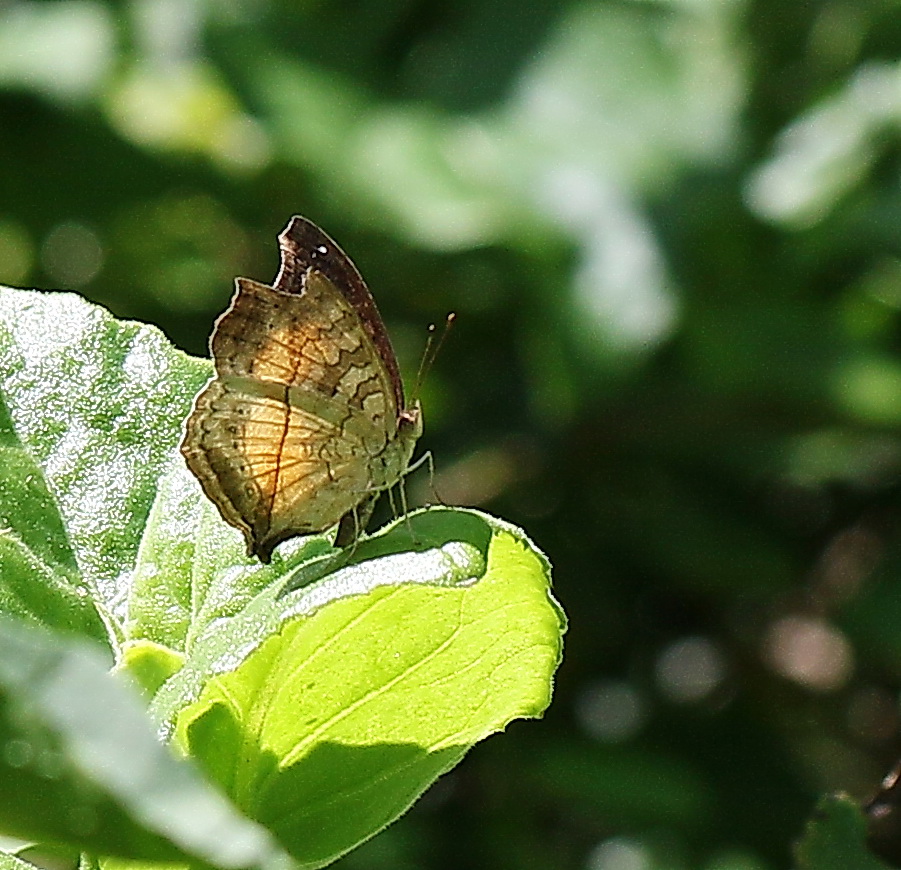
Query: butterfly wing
x,y
287,438
304,247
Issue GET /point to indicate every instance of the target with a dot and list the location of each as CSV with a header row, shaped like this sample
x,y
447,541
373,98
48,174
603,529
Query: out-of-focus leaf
x,y
81,766
835,838
624,785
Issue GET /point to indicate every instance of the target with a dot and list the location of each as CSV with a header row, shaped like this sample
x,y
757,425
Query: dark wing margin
x,y
304,246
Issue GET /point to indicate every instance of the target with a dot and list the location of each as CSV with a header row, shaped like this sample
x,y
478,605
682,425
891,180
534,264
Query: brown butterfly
x,y
304,423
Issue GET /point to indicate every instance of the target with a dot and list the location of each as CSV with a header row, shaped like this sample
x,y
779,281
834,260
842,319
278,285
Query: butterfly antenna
x,y
430,354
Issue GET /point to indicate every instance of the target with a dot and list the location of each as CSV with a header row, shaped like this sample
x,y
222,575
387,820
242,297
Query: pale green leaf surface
x,y
148,665
24,494
39,580
192,568
43,594
11,862
451,547
94,403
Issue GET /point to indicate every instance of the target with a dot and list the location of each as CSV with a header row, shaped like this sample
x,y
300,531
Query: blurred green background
x,y
670,231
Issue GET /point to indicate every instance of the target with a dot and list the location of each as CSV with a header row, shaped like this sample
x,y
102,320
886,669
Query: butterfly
x,y
304,423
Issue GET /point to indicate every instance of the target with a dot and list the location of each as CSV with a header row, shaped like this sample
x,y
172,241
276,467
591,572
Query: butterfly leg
x,y
405,508
354,522
347,529
431,463
392,502
427,459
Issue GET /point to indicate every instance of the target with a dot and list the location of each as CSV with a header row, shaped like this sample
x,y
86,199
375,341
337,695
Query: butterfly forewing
x,y
304,247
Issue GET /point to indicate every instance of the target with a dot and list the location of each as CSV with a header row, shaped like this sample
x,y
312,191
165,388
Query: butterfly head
x,y
409,421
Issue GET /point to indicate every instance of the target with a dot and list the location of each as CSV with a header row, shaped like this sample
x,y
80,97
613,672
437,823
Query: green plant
x,y
309,701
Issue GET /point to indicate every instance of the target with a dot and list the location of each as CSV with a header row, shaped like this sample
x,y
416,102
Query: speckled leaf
x,y
95,404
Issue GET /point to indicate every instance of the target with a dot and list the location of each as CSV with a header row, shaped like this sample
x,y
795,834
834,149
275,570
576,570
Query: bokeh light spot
x,y
242,143
690,669
870,389
619,853
72,255
611,711
63,50
808,651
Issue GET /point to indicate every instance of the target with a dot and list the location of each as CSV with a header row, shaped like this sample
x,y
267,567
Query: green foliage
x,y
669,231
82,766
835,838
322,693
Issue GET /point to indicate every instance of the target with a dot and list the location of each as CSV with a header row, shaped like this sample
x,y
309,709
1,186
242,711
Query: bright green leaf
x,y
324,692
379,678
40,580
